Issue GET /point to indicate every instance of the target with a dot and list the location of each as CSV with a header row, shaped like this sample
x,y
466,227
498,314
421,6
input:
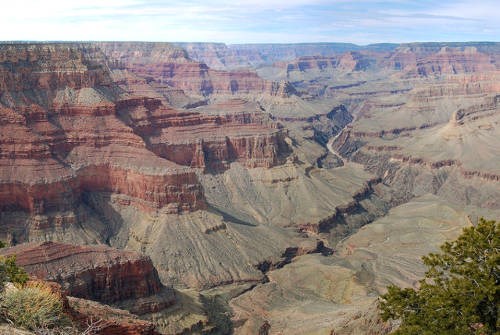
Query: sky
x,y
251,21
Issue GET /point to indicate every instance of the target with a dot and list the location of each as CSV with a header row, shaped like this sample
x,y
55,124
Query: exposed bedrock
x,y
338,294
77,133
347,62
329,126
164,63
451,170
151,191
207,141
423,60
108,320
95,148
74,130
50,66
123,278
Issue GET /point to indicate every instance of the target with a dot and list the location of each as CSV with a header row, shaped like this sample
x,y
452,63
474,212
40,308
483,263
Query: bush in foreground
x,y
11,272
33,306
460,293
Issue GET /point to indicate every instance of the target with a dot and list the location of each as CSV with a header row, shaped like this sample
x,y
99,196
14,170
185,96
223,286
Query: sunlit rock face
x,y
226,170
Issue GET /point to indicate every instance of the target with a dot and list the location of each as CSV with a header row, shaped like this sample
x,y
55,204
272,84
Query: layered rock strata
x,y
105,320
208,141
166,64
68,130
100,273
62,111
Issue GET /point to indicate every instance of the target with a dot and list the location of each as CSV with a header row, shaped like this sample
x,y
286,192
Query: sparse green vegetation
x,y
33,306
460,292
30,305
10,272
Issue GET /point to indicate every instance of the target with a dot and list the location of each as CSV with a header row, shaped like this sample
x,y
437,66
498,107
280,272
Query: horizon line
x,y
243,43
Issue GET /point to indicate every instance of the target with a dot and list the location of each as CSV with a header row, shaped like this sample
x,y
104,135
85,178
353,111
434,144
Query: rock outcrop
x,y
145,146
163,63
426,59
69,130
101,319
124,278
60,107
338,294
348,62
209,141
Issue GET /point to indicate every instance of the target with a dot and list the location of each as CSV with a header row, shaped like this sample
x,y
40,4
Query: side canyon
x,y
205,188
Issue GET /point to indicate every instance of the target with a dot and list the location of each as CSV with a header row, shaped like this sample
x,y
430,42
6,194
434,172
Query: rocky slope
x,y
100,273
338,294
87,162
165,64
107,320
84,161
447,148
66,112
233,180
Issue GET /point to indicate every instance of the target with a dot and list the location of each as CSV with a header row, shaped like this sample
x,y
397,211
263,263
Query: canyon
x,y
204,188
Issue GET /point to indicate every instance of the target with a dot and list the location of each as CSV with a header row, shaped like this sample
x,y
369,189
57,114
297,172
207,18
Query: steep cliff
x,y
163,63
61,138
100,273
348,62
146,147
68,130
209,137
435,59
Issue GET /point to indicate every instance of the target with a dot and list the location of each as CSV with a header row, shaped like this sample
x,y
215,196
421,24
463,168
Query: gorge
x,y
249,189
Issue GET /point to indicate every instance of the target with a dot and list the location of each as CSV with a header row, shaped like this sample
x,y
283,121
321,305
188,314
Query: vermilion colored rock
x,y
132,144
67,129
105,320
98,273
163,63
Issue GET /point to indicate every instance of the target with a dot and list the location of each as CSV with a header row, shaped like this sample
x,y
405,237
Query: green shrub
x,y
33,306
460,293
11,272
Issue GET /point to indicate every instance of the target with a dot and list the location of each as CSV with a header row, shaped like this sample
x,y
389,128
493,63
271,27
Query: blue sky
x,y
252,21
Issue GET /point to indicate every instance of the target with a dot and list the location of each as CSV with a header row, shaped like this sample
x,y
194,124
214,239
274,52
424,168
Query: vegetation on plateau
x,y
460,292
31,305
10,272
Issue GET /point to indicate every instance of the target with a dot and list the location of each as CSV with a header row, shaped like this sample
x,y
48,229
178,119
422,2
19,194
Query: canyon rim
x,y
239,188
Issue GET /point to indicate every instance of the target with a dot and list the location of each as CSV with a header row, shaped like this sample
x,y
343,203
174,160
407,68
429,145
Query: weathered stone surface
x,y
69,130
106,320
199,140
167,156
163,63
349,62
96,272
338,294
72,126
427,60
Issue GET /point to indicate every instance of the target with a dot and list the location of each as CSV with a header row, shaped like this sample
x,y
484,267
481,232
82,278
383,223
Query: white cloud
x,y
248,21
483,10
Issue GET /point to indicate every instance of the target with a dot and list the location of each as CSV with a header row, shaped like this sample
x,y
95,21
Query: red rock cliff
x,y
97,273
427,60
164,63
66,130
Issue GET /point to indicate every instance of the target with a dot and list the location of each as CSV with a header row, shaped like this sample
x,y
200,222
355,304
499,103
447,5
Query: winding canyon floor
x,y
277,189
